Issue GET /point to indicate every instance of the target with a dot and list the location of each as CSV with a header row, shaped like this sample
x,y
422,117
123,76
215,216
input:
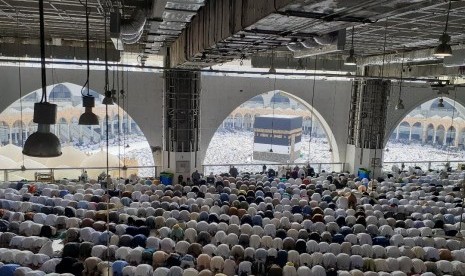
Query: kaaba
x,y
277,138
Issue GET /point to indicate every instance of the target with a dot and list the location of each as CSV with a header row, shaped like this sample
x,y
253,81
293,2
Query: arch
x,y
248,121
86,138
4,132
404,131
429,134
238,121
450,136
18,133
427,102
250,118
440,135
417,131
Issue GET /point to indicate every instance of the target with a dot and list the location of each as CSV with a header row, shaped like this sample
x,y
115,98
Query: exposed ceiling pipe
x,y
132,29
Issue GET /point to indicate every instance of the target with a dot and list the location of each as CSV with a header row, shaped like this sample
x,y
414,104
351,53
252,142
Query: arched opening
x,y
429,134
439,137
433,133
450,136
416,132
88,140
404,131
4,133
248,147
18,133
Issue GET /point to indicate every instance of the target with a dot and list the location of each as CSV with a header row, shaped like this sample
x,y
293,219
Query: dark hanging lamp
x,y
43,143
108,100
88,101
400,103
351,60
444,49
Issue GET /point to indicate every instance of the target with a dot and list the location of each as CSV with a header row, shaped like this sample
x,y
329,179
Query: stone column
x,y
424,135
397,133
367,124
410,134
457,138
182,115
434,136
444,141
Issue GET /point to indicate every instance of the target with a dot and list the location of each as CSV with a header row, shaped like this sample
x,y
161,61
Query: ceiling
x,y
407,25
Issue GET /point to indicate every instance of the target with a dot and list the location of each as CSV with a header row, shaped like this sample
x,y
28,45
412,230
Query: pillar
x,y
424,135
69,132
444,141
367,124
182,115
410,134
397,133
129,125
457,138
434,136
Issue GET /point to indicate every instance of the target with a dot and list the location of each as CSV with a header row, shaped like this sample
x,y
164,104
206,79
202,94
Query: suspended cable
x,y
20,92
312,109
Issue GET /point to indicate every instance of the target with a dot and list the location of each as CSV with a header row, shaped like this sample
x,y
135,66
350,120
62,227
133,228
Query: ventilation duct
x,y
295,46
310,43
132,29
327,39
322,44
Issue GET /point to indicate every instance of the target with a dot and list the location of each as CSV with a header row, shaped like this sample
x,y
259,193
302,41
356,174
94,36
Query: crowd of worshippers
x,y
282,172
409,224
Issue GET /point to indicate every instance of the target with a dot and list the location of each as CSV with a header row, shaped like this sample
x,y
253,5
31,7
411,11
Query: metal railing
x,y
424,165
75,172
256,168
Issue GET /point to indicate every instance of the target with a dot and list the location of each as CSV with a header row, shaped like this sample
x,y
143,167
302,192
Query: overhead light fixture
x,y
351,60
108,100
43,143
88,117
441,103
444,49
88,101
400,105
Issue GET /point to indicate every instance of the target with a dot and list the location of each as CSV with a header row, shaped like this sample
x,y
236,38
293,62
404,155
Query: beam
x,y
217,21
58,52
413,71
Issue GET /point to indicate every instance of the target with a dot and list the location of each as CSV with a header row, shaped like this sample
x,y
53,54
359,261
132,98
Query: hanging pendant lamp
x,y
400,104
108,100
88,101
43,143
444,49
351,60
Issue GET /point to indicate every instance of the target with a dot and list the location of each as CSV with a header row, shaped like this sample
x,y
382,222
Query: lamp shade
x,y
88,117
351,60
443,49
108,100
43,143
